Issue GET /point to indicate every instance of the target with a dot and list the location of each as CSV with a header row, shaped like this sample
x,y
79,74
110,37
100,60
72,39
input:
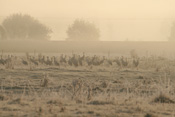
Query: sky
x,y
137,20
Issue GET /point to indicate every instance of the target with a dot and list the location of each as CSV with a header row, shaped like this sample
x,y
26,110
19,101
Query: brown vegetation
x,y
90,86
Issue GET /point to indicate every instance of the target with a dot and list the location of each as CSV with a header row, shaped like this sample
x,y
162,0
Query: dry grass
x,y
80,91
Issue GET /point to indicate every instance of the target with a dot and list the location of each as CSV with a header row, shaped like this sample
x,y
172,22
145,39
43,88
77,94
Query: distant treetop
x,y
19,26
81,30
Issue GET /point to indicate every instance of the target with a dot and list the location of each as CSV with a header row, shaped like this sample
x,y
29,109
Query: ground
x,y
87,91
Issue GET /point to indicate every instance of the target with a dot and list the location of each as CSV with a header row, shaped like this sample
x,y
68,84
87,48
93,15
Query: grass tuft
x,y
96,102
149,115
162,98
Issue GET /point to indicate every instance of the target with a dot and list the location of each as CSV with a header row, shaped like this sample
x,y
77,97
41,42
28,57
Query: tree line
x,y
24,26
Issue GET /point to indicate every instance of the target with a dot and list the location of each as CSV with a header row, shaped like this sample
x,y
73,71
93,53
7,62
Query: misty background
x,y
118,20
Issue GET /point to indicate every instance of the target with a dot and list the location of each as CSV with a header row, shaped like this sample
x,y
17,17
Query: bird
x,y
48,61
118,62
124,62
102,61
89,61
55,61
80,60
109,62
34,61
136,62
75,62
70,61
63,59
2,61
24,62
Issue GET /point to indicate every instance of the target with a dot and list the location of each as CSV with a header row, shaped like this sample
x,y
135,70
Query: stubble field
x,y
88,90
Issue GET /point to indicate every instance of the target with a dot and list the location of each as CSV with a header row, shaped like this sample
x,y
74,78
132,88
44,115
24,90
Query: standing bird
x,y
2,61
75,61
109,62
102,61
124,61
89,61
136,62
34,61
24,62
70,61
118,62
63,59
80,60
48,61
55,61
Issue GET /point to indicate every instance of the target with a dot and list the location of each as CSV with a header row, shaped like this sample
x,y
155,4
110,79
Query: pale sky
x,y
117,19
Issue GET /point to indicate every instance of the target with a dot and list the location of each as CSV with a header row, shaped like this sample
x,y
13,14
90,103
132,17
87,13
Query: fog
x,y
118,20
86,58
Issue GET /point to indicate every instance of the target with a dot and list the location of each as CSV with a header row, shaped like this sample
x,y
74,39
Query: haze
x,y
118,20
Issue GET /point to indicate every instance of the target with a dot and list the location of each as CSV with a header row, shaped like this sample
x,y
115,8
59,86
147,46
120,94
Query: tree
x,y
172,33
2,33
20,26
83,31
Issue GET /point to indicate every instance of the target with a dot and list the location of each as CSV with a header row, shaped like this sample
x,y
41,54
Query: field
x,y
105,89
97,47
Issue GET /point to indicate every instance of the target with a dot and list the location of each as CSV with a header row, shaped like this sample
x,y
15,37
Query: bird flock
x,y
75,60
